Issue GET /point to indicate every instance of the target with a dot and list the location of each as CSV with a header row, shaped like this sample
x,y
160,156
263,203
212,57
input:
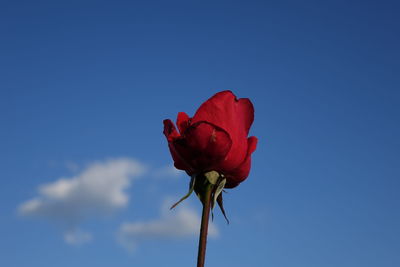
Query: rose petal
x,y
204,146
238,175
172,135
170,130
182,121
226,111
179,162
233,115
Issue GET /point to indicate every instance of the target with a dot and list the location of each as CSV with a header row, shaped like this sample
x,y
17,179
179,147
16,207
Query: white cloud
x,y
168,171
98,190
181,223
77,237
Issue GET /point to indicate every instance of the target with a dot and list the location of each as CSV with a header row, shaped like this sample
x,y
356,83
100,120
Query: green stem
x,y
204,226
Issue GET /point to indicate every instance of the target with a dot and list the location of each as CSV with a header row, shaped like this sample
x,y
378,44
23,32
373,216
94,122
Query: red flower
x,y
215,139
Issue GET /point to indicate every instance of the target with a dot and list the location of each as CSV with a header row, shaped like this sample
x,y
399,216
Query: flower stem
x,y
204,225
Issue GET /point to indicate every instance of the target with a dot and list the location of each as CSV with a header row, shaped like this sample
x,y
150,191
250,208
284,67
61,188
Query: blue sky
x,y
84,88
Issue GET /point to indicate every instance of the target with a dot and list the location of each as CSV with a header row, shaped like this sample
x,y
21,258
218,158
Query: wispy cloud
x,y
180,223
77,237
168,171
98,190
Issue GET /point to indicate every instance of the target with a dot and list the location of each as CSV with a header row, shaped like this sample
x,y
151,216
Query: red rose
x,y
215,139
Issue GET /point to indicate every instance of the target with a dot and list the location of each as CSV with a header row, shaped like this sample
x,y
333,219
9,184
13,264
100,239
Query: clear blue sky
x,y
91,81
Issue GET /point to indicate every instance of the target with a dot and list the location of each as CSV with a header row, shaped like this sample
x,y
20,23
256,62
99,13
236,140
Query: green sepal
x,y
219,187
221,206
212,177
191,188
